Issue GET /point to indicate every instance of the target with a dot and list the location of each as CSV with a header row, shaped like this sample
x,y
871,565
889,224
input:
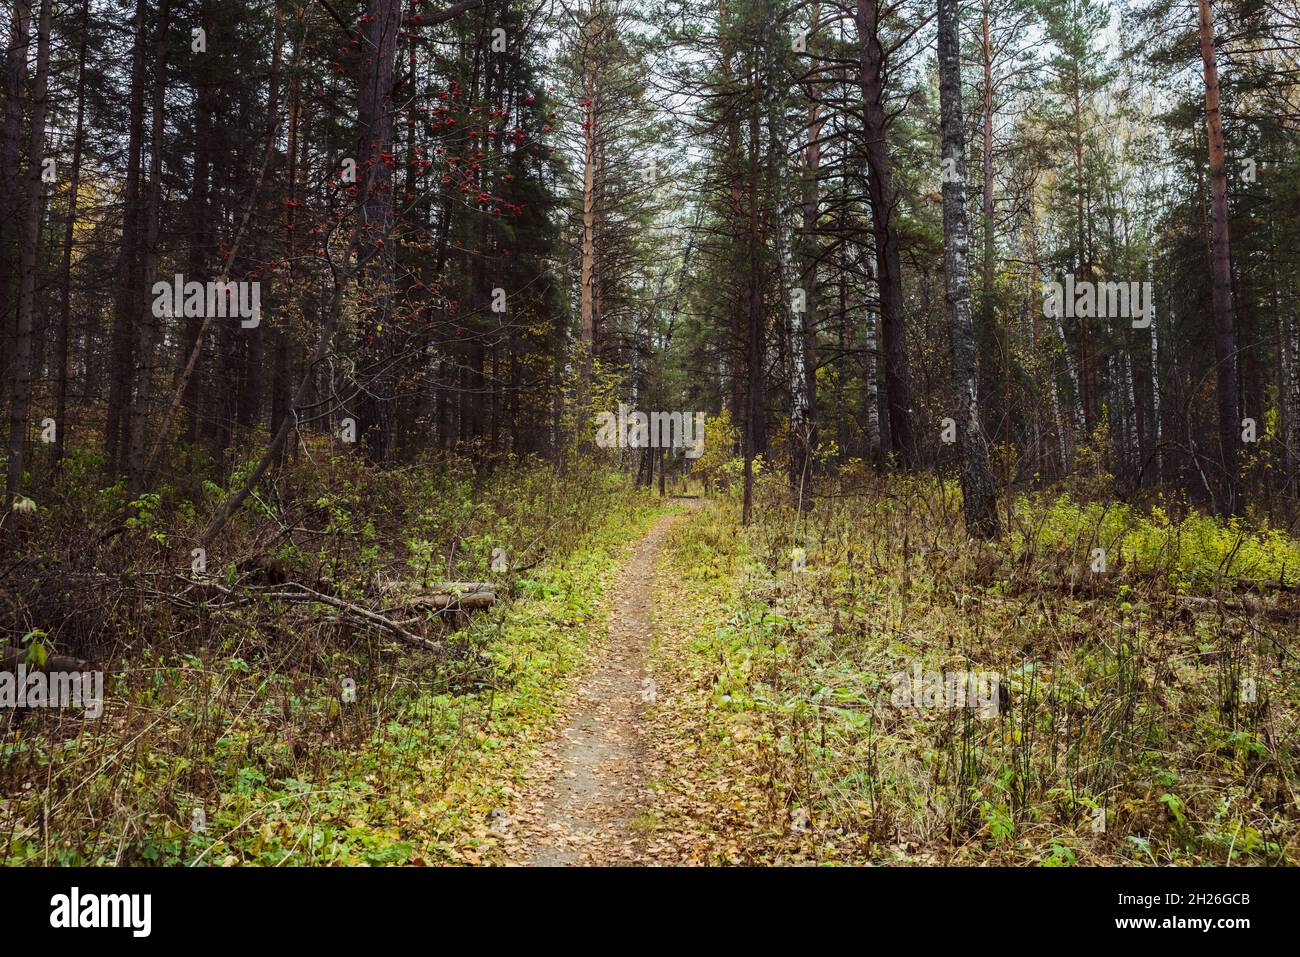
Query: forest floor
x,y
641,771
589,785
634,775
659,683
229,735
741,713
1146,715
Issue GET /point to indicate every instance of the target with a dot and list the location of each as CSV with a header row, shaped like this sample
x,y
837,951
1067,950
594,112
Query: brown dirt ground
x,y
590,782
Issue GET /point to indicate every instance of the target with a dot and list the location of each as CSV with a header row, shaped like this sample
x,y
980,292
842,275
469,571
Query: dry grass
x,y
1120,697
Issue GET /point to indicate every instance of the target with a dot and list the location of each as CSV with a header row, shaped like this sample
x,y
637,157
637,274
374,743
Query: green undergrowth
x,y
1193,552
269,733
1126,728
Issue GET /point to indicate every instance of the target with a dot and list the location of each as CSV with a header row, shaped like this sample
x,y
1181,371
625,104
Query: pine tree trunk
x,y
199,218
375,209
21,395
1225,349
61,348
889,273
587,276
11,176
145,321
128,291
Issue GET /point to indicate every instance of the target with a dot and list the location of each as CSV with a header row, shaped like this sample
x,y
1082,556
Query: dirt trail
x,y
593,784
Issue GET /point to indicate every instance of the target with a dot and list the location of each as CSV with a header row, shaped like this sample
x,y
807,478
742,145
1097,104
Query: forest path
x,y
591,784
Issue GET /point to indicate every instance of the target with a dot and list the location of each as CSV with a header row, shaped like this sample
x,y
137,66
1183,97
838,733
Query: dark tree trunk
x,y
145,319
61,348
11,173
889,272
375,211
200,242
21,396
1225,347
128,291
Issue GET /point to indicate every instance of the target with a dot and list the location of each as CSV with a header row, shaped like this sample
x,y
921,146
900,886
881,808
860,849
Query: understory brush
x,y
1145,709
242,727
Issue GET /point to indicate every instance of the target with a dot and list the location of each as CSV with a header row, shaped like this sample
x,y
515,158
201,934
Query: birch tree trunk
x,y
993,354
871,387
979,501
804,337
587,276
1155,396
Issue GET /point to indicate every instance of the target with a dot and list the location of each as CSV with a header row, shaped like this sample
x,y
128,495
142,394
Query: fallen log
x,y
304,594
403,586
1246,604
470,601
461,587
301,594
444,588
12,657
